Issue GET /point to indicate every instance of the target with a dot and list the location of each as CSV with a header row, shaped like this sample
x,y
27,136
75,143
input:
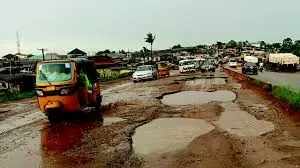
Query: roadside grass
x,y
258,82
114,77
289,95
16,96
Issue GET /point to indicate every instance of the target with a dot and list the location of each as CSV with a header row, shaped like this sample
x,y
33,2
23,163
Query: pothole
x,y
168,134
208,81
197,97
239,122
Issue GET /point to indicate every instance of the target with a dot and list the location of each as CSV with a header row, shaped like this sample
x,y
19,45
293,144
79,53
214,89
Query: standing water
x,y
168,134
197,97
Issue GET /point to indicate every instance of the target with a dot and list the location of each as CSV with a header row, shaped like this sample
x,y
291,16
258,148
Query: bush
x,y
287,94
17,96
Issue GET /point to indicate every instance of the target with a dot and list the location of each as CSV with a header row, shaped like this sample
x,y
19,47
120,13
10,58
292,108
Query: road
x,y
278,78
186,121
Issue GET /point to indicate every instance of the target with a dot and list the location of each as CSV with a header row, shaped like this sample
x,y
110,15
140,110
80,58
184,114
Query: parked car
x,y
250,68
145,72
232,63
208,66
187,66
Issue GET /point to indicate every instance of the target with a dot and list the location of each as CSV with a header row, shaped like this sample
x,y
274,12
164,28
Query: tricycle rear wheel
x,y
52,115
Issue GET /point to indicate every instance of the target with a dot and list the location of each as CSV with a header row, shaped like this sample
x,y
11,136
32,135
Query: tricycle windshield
x,y
162,65
54,72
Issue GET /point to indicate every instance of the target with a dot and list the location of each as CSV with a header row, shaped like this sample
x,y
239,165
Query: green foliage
x,y
107,51
287,94
122,52
176,46
263,44
17,96
287,45
258,82
231,44
150,38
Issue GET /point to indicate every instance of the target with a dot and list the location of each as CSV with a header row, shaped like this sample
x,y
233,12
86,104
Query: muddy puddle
x,y
168,134
208,81
239,122
197,97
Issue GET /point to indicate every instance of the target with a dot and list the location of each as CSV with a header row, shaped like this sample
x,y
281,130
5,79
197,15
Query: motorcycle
x,y
261,68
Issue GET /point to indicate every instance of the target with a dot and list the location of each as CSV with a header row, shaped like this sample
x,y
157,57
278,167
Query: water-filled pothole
x,y
197,97
168,134
209,81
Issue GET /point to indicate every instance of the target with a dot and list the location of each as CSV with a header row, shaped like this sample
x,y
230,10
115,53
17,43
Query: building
x,y
10,57
47,57
103,62
76,53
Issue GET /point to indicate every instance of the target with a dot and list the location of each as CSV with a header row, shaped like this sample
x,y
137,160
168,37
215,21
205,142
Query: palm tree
x,y
262,44
150,39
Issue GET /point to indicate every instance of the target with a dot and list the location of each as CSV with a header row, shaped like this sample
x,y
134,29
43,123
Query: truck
x,y
250,59
282,62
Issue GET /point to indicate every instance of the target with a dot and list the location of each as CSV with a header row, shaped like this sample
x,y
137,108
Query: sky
x,y
93,25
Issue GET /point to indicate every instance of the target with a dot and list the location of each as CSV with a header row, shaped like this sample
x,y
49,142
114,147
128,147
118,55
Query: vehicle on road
x,y
232,63
187,66
145,72
208,67
163,69
250,59
250,68
282,62
67,86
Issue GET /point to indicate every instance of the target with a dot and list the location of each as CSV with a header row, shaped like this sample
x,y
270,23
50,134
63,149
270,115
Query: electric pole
x,y
43,52
18,43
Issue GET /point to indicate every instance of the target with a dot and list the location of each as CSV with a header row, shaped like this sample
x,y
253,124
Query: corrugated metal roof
x,y
47,57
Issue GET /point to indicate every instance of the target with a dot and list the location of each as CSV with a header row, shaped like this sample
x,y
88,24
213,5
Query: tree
x,y
219,45
29,55
297,44
262,44
201,46
150,39
99,53
106,51
276,46
231,44
122,51
287,45
176,46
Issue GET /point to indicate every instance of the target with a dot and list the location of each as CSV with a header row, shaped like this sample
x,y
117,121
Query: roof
x,y
8,56
76,51
47,57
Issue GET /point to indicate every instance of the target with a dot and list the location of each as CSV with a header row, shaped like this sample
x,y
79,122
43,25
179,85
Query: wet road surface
x,y
291,79
186,120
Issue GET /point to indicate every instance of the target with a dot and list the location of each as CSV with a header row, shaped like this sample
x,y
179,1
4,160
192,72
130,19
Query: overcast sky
x,y
92,25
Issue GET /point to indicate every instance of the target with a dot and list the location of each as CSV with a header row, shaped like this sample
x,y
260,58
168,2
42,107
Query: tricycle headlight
x,y
39,93
64,91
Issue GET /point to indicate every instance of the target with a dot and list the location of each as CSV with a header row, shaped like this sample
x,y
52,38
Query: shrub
x,y
17,96
287,94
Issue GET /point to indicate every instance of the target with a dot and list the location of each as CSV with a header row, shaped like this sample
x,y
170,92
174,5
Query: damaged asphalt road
x,y
190,120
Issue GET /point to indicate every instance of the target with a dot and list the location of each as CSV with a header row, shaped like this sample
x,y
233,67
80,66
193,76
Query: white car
x,y
144,72
232,63
187,66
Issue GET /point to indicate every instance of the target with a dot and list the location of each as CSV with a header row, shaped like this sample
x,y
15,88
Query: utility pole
x,y
18,43
43,52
